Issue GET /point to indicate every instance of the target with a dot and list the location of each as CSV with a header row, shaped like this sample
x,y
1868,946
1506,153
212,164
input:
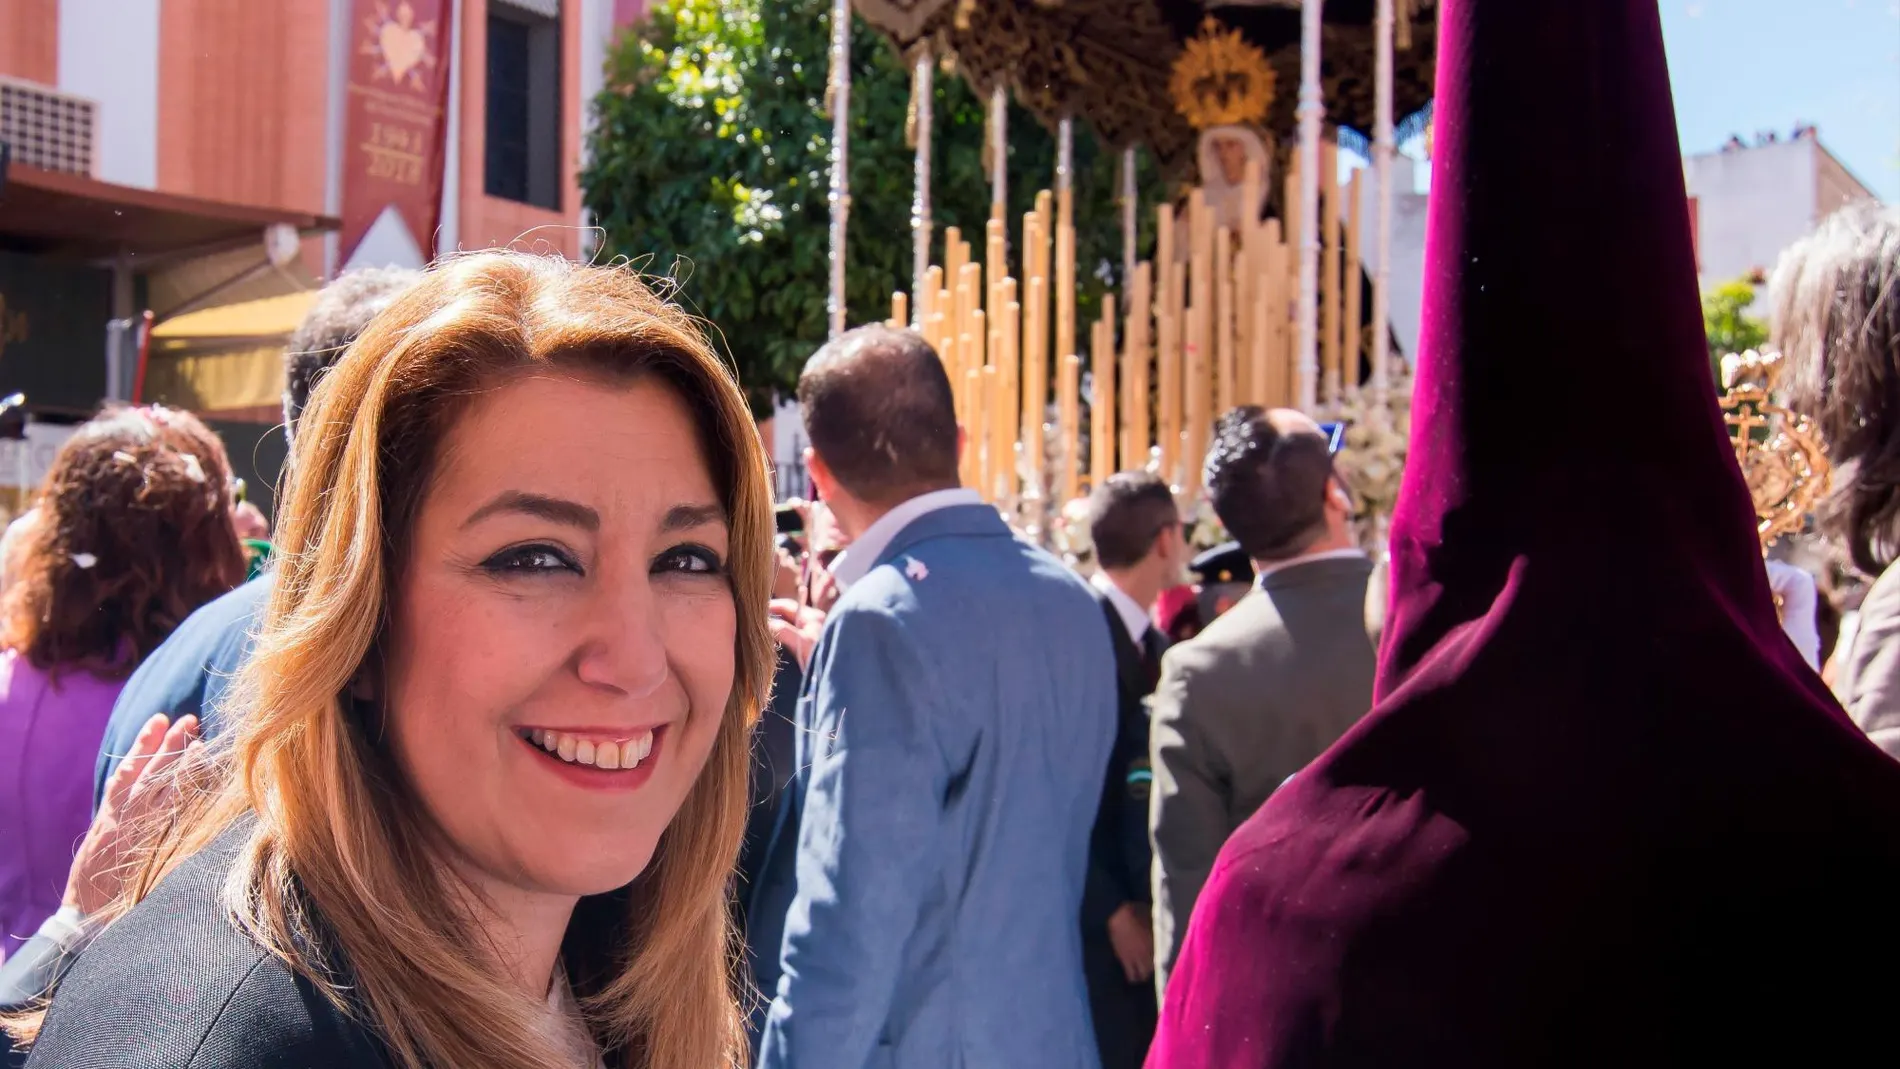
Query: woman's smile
x,y
620,760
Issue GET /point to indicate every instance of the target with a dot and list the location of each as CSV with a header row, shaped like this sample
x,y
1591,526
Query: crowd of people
x,y
537,736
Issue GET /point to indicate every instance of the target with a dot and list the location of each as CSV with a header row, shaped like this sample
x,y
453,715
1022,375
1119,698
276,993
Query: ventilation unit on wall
x,y
46,128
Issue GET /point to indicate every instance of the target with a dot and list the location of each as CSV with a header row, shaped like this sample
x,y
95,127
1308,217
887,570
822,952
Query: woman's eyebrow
x,y
687,517
552,509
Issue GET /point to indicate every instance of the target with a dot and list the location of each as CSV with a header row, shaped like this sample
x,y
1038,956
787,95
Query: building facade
x,y
169,159
1753,201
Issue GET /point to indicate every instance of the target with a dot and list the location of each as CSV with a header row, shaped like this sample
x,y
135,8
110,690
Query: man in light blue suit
x,y
954,728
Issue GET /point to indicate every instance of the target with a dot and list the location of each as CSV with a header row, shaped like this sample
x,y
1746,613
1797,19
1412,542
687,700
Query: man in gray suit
x,y
952,735
1274,681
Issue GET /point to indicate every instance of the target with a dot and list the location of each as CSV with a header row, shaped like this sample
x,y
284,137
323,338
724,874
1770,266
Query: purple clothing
x,y
49,736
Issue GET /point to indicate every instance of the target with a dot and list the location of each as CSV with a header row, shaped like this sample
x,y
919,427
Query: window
x,y
523,141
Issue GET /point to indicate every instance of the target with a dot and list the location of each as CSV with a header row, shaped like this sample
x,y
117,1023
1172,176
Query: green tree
x,y
1730,328
709,156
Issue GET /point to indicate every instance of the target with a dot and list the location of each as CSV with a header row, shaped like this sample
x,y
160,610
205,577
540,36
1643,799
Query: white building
x,y
1750,202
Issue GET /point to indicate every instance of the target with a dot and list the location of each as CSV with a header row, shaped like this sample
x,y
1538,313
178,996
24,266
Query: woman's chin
x,y
582,866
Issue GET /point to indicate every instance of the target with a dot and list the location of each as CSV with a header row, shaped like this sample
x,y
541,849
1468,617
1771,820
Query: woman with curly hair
x,y
131,532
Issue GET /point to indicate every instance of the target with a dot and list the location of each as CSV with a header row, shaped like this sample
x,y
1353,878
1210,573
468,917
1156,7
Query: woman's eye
x,y
690,560
529,559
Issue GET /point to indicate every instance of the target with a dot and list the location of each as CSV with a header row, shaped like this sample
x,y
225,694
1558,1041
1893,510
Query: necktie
x,y
1151,658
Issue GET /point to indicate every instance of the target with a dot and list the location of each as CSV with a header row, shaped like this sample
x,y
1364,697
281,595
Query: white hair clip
x,y
193,470
84,560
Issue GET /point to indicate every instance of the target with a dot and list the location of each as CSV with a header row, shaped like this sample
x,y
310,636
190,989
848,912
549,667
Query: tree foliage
x,y
1730,328
709,161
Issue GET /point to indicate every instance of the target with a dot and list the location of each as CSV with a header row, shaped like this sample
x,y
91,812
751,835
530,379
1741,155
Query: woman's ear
x,y
367,684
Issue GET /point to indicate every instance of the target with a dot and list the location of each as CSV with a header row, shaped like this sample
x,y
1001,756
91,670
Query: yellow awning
x,y
268,317
217,381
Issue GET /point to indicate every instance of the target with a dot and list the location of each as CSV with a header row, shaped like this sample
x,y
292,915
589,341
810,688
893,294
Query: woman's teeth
x,y
610,754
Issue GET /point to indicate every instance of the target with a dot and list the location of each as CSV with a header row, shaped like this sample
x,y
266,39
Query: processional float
x,y
1255,294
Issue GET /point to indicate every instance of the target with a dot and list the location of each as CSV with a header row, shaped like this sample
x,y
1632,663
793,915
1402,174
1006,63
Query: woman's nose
x,y
626,650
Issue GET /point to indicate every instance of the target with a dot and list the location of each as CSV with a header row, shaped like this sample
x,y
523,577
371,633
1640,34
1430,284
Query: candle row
x,y
1206,325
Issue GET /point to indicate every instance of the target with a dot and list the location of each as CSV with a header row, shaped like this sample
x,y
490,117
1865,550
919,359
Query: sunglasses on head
x,y
1335,434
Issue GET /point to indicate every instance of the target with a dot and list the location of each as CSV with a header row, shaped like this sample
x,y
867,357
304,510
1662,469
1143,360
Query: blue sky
x,y
1740,66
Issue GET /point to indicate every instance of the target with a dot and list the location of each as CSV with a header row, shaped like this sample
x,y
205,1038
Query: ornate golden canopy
x,y
1108,63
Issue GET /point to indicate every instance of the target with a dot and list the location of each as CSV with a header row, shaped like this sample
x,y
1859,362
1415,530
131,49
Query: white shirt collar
x,y
862,555
1260,575
1133,616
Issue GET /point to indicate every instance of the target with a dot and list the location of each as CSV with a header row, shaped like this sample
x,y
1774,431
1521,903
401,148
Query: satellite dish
x,y
281,244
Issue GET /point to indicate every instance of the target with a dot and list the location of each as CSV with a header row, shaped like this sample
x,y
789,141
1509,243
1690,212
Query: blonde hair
x,y
341,873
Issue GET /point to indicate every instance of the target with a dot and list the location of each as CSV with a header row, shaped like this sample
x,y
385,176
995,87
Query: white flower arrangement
x,y
1069,537
1372,460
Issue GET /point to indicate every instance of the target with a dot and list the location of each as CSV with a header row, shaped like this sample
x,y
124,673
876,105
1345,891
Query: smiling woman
x,y
489,781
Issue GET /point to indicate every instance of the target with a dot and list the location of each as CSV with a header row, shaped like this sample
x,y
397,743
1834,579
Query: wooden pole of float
x,y
1002,438
1102,396
1035,343
929,296
1199,351
996,466
1382,149
995,268
1250,262
1136,363
1311,111
923,93
1168,313
1290,254
1065,239
1035,375
1009,409
971,469
1329,271
1355,295
839,196
992,460
1070,411
1227,372
1274,366
950,305
1038,252
954,256
900,311
962,300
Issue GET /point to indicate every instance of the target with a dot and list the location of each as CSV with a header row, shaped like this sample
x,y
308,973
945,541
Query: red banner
x,y
396,119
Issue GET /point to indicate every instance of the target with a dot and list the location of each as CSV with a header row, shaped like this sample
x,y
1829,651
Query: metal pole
x,y
921,226
840,195
1065,153
1311,111
1128,222
1382,148
999,152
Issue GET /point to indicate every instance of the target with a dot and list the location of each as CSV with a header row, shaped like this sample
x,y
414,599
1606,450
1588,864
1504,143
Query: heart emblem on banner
x,y
403,47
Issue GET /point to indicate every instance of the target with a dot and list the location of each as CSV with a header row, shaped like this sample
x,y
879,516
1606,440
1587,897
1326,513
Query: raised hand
x,y
136,790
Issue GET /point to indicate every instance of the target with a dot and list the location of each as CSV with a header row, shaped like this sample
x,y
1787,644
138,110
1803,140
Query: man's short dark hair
x,y
879,412
342,310
1268,487
1127,513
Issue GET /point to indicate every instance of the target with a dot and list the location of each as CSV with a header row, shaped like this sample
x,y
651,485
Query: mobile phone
x,y
790,521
